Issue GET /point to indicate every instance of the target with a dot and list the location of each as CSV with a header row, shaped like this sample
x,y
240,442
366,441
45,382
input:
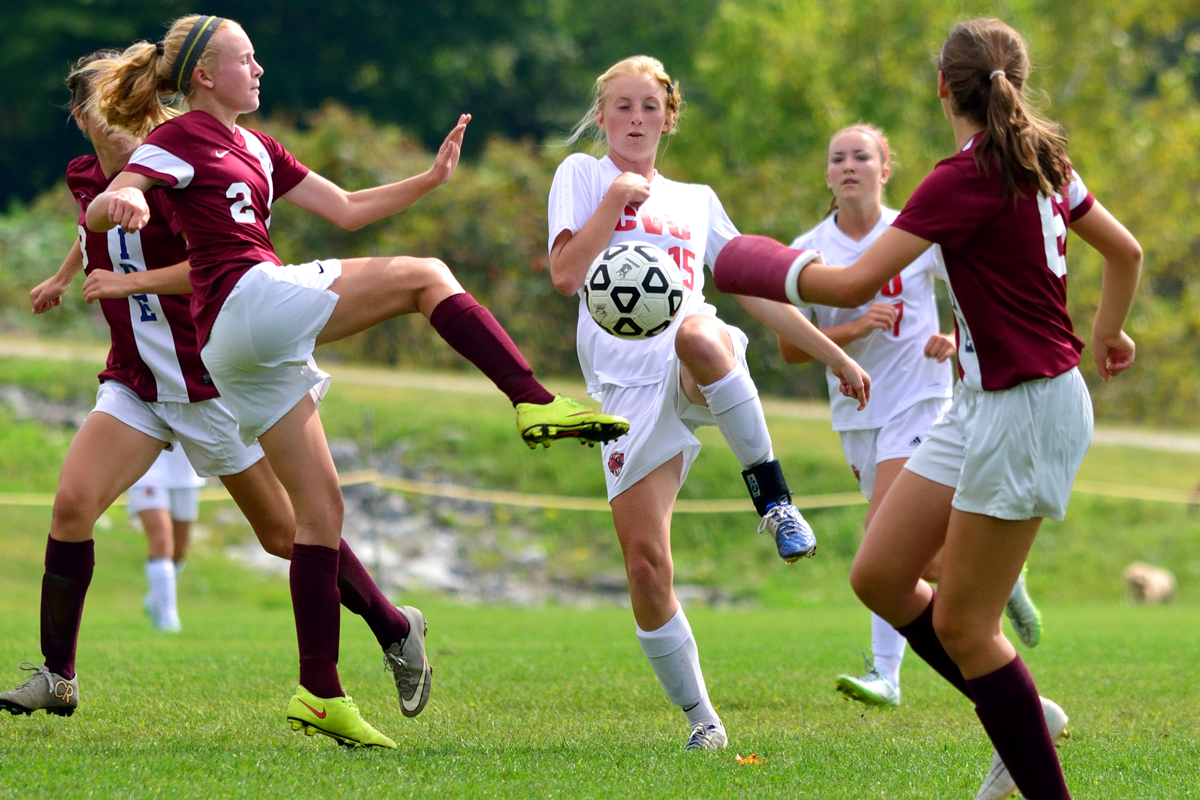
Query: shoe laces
x,y
36,669
784,522
393,662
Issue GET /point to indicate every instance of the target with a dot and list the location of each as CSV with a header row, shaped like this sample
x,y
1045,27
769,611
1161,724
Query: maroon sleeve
x,y
287,170
160,205
81,180
948,207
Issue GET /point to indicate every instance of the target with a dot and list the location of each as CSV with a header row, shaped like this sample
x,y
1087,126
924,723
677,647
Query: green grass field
x,y
559,701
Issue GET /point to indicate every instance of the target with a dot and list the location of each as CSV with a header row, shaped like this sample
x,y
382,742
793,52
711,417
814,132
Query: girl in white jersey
x,y
154,393
895,337
1006,452
692,374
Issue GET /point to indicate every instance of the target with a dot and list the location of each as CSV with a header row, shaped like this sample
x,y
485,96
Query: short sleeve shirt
x,y
154,350
685,221
901,375
1006,263
223,183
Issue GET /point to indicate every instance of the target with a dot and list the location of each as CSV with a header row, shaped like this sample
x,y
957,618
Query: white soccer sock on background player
x,y
733,401
161,574
887,648
671,651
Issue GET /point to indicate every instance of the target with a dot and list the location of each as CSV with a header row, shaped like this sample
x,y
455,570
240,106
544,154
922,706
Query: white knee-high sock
x,y
887,647
672,653
733,401
161,574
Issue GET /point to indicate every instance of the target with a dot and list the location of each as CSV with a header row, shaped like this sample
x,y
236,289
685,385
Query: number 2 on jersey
x,y
241,210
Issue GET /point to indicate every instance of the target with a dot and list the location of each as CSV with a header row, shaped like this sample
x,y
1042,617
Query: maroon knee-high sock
x,y
69,567
1007,703
755,265
313,579
362,596
472,330
924,642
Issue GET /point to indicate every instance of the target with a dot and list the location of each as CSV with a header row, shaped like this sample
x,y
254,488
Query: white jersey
x,y
171,470
685,220
895,359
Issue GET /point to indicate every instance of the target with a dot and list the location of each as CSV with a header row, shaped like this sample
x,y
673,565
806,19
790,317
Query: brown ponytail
x,y
986,64
131,88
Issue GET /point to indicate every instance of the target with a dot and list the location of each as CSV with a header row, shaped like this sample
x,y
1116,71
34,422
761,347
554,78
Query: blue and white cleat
x,y
794,539
707,737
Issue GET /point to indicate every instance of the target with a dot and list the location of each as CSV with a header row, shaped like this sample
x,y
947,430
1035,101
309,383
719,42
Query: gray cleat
x,y
410,668
45,690
998,784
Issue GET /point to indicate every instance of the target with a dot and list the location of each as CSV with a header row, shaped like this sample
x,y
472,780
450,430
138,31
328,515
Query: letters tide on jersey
x,y
223,183
1005,259
685,221
901,375
154,350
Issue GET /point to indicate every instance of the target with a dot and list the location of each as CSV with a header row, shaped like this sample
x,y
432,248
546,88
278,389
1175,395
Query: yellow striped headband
x,y
189,54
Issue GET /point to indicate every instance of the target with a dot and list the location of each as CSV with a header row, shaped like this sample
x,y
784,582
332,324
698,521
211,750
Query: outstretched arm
x,y
48,294
354,210
1112,349
103,283
794,327
879,317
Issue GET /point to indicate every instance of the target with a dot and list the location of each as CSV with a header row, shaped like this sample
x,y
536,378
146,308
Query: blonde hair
x,y
634,65
881,141
986,64
133,91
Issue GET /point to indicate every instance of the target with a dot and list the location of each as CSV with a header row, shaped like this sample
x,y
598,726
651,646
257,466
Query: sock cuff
x,y
68,558
1001,685
667,639
730,391
315,556
450,308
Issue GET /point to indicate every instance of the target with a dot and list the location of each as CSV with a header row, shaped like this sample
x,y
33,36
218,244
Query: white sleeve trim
x,y
155,158
793,277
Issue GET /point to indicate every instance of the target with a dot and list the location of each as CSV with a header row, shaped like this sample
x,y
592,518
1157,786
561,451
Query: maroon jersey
x,y
154,349
223,184
1007,269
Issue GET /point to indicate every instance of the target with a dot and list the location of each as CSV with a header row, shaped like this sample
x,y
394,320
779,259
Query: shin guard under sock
x,y
671,651
733,401
767,485
362,596
313,579
69,567
1007,703
472,331
924,642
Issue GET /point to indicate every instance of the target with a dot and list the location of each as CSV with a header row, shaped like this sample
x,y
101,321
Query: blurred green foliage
x,y
766,82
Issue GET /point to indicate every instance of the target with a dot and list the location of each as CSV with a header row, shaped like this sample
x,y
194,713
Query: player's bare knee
x,y
959,635
647,572
74,510
698,341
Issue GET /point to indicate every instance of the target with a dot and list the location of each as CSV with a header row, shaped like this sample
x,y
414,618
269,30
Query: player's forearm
x,y
97,218
788,322
365,206
71,265
1118,286
569,265
168,280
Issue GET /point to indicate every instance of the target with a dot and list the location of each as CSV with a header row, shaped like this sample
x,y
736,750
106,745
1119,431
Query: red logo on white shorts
x,y
616,463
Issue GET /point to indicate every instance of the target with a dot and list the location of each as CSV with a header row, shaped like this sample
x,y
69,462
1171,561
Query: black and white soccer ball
x,y
633,290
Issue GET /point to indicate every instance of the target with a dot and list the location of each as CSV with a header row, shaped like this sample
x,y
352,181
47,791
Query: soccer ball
x,y
633,290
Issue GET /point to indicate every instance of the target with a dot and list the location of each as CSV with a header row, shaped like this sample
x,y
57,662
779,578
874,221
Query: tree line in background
x,y
766,83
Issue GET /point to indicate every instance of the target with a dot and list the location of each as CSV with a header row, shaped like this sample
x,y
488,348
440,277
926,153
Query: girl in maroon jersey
x,y
259,321
1006,453
153,392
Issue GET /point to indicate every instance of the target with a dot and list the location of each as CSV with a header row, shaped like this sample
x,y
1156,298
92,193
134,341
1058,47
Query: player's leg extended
x,y
377,289
712,375
299,455
642,516
880,684
982,558
104,459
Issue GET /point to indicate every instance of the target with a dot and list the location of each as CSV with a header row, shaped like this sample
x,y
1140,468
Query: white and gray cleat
x,y
410,667
44,690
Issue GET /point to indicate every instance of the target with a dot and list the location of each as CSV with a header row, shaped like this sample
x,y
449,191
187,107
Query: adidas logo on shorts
x,y
916,440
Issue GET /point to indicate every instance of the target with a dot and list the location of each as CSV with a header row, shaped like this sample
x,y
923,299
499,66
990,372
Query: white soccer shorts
x,y
898,438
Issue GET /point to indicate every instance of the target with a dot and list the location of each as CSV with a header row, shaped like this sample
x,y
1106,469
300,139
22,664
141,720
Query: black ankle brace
x,y
767,485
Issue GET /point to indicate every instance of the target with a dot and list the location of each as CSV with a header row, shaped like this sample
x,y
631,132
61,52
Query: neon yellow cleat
x,y
336,717
563,418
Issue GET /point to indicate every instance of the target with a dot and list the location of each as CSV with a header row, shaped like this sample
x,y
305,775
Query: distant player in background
x,y
166,500
154,391
895,338
692,374
1006,452
259,321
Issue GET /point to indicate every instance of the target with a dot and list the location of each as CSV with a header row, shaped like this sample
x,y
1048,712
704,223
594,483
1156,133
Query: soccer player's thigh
x,y
371,290
262,498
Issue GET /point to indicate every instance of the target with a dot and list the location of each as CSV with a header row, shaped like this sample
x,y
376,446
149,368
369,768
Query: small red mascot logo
x,y
616,463
857,475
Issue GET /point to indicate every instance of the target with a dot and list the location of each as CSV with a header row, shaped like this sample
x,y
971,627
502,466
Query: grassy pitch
x,y
557,702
